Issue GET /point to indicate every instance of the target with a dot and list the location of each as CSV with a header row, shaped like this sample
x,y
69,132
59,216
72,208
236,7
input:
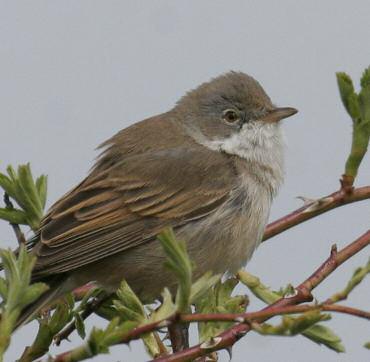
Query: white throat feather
x,y
261,145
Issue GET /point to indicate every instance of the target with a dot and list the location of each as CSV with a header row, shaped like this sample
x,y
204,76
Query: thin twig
x,y
17,230
316,208
346,310
90,308
245,317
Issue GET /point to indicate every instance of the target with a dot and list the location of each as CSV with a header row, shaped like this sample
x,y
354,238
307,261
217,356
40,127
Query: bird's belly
x,y
226,240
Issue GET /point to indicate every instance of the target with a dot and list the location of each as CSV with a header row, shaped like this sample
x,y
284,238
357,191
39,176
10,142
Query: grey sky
x,y
72,73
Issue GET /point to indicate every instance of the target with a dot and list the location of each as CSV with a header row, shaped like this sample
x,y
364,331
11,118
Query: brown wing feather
x,y
129,204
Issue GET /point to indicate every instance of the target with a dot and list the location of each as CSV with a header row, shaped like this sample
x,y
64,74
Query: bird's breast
x,y
226,239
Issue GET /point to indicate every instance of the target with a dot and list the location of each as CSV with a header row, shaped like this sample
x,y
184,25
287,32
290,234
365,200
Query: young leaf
x,y
357,277
166,309
348,95
80,326
178,261
358,107
257,288
16,291
218,299
14,216
324,335
202,285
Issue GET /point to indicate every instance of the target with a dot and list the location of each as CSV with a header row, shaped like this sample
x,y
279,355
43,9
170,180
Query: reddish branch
x,y
339,198
138,332
303,294
346,310
251,316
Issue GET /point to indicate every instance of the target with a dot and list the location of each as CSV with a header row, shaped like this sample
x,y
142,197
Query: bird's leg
x,y
179,336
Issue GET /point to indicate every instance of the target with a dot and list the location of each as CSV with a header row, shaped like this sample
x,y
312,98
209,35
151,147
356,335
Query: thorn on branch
x,y
211,343
333,251
319,204
229,351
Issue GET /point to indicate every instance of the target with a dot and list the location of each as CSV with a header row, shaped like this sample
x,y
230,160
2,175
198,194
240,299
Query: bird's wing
x,y
129,204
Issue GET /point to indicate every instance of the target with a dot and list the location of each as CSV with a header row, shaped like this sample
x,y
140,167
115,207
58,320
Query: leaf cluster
x,y
357,106
29,194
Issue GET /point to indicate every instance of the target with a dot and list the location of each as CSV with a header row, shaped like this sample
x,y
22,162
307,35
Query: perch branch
x,y
316,208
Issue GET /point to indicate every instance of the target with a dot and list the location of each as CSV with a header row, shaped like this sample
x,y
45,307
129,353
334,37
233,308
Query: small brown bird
x,y
209,168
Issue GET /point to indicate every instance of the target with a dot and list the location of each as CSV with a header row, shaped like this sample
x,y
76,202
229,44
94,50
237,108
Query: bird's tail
x,y
54,291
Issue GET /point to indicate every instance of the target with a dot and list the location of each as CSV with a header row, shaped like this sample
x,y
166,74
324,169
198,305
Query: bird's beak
x,y
278,114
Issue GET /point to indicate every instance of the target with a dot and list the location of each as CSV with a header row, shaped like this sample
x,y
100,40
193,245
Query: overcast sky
x,y
72,73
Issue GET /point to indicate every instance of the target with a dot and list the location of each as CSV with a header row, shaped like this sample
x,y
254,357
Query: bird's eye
x,y
230,116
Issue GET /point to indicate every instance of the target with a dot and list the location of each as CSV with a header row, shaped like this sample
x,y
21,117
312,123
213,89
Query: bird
x,y
209,168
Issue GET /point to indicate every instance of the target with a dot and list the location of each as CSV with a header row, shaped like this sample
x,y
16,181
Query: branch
x,y
248,318
318,207
303,294
251,316
346,310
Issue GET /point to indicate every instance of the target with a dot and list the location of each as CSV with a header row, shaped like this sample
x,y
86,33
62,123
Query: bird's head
x,y
232,107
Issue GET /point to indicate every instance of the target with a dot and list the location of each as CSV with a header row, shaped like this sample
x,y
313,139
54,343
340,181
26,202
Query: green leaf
x,y
7,185
80,326
357,277
42,186
61,316
348,95
3,288
179,263
33,292
13,216
365,79
128,304
219,299
358,107
166,310
257,288
202,285
16,291
28,194
324,335
367,345
100,340
291,326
